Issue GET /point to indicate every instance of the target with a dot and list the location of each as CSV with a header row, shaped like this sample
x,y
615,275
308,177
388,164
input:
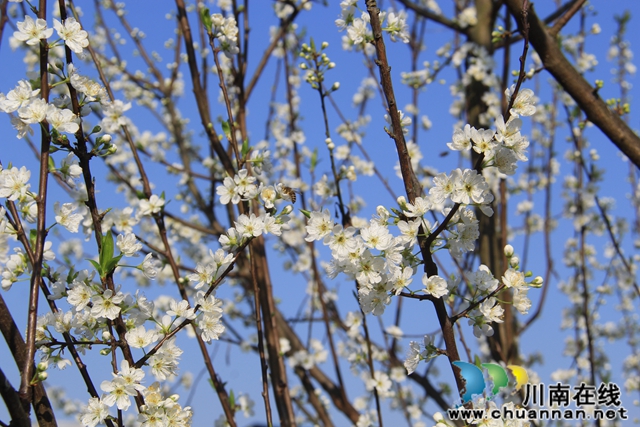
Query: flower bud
x,y
42,376
112,149
537,282
402,202
514,261
382,212
303,66
106,138
324,45
508,251
106,336
351,173
42,366
287,210
335,86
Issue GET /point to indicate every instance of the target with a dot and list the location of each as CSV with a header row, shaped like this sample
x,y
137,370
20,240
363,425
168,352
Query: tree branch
x,y
575,85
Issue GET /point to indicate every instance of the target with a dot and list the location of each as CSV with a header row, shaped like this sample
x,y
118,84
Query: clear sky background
x,y
241,370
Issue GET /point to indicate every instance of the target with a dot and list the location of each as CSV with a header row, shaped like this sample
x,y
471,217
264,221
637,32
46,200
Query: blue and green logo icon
x,y
475,383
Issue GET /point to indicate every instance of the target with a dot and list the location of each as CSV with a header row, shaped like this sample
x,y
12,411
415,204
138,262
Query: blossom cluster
x,y
359,34
31,109
32,32
225,30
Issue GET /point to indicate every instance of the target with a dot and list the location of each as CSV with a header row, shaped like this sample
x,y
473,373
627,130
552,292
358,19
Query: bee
x,y
290,193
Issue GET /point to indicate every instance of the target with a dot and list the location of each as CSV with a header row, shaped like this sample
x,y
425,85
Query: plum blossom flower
x,y
250,226
505,160
203,275
470,187
380,382
491,310
210,326
139,337
358,31
341,241
419,207
118,393
444,186
34,112
226,31
397,26
72,33
150,206
66,217
461,139
18,97
413,357
131,375
483,140
435,286
376,236
31,31
524,104
405,122
320,225
79,295
181,310
128,244
22,127
14,183
70,169
514,279
113,116
521,302
95,413
374,302
92,90
106,305
150,266
63,120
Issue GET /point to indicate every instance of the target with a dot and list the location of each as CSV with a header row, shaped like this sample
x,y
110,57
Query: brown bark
x,y
17,346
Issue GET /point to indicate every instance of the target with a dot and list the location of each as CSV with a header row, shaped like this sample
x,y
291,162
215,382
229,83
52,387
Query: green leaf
x,y
477,361
314,159
96,266
226,128
106,253
232,400
52,164
245,148
112,264
305,213
206,19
